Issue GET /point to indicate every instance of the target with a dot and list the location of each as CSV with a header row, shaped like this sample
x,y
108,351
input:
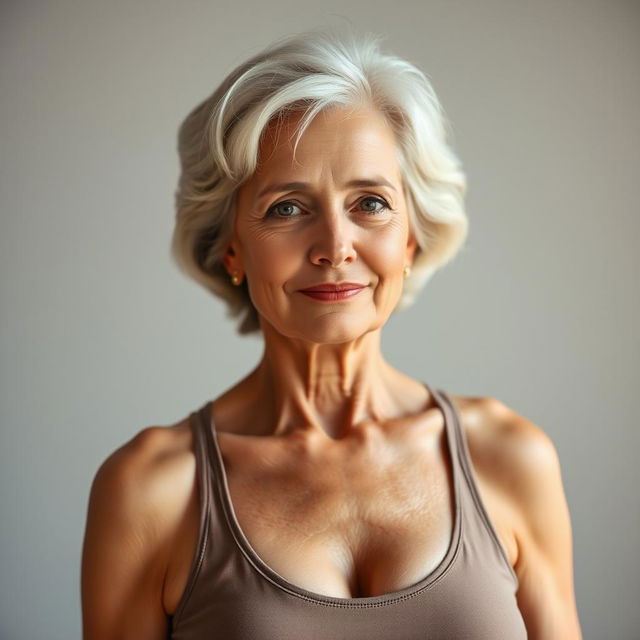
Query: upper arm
x,y
124,551
544,535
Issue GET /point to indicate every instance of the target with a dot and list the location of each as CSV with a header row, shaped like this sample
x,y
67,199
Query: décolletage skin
x,y
322,371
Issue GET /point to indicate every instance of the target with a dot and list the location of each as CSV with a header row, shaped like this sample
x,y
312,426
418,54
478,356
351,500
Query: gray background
x,y
101,336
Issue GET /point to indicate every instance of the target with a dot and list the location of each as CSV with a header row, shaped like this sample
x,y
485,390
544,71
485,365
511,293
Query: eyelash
x,y
385,207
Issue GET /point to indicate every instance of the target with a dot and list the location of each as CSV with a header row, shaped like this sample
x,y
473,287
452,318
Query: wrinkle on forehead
x,y
369,132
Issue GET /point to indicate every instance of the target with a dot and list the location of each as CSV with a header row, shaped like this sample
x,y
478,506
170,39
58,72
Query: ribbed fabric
x,y
231,594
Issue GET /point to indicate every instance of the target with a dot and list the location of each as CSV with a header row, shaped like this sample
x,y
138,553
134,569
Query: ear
x,y
231,258
412,245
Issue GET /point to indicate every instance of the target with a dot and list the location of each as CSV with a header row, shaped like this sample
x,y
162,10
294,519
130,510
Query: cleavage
x,y
346,523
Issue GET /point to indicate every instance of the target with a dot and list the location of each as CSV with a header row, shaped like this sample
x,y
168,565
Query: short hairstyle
x,y
218,145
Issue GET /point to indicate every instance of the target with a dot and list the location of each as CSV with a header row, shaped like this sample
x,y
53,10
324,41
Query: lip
x,y
333,291
333,296
333,287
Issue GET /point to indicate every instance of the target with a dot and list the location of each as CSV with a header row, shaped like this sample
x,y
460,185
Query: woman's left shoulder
x,y
502,440
519,459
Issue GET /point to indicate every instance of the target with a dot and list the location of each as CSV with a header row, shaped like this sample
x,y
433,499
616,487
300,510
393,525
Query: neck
x,y
334,390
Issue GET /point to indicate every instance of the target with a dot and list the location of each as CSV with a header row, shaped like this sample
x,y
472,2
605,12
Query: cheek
x,y
272,260
388,257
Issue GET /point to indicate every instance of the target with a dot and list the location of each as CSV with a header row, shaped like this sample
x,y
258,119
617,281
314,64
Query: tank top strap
x,y
209,475
452,428
199,427
203,480
480,530
459,450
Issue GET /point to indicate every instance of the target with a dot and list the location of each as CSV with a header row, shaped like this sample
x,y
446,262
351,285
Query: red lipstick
x,y
333,291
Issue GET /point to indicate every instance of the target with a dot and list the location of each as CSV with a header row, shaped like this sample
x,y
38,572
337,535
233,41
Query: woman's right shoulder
x,y
151,467
135,512
149,456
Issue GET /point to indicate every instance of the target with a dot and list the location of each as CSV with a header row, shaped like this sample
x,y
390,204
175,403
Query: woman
x,y
327,494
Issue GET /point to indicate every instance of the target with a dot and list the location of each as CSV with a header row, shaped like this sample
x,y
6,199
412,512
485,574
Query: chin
x,y
329,329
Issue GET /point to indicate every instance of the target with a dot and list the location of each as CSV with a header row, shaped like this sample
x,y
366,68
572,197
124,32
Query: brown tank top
x,y
231,594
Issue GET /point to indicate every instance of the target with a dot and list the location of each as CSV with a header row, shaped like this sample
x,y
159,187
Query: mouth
x,y
334,294
330,290
330,287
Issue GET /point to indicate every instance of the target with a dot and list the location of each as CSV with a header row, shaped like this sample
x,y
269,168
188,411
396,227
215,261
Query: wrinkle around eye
x,y
386,206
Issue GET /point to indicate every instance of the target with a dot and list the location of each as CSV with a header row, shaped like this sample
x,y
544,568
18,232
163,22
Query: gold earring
x,y
407,271
235,278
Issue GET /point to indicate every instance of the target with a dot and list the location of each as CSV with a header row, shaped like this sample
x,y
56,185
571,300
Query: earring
x,y
407,271
235,278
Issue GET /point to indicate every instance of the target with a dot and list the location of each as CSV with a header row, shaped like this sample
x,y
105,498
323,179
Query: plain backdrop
x,y
102,336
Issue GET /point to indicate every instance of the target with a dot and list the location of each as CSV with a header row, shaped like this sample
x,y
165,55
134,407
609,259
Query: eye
x,y
285,209
282,207
375,200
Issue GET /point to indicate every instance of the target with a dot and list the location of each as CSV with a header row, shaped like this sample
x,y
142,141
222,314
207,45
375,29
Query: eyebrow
x,y
377,181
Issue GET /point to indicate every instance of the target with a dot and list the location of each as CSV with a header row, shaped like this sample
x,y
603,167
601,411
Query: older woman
x,y
327,494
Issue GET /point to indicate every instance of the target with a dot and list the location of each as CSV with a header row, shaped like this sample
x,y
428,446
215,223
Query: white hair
x,y
218,146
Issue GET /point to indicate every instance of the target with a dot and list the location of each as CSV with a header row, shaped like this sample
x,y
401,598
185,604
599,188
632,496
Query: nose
x,y
333,244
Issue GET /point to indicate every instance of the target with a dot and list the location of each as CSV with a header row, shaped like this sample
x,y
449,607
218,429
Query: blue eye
x,y
283,210
285,204
380,201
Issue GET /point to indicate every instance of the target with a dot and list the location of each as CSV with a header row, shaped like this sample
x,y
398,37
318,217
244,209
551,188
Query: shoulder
x,y
520,461
139,494
152,461
516,465
513,450
136,504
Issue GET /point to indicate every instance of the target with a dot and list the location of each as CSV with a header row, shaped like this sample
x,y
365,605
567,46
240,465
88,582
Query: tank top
x,y
232,594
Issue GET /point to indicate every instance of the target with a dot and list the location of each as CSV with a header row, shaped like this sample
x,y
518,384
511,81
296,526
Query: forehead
x,y
338,140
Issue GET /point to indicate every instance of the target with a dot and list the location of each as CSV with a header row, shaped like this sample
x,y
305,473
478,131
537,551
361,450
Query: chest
x,y
360,522
346,523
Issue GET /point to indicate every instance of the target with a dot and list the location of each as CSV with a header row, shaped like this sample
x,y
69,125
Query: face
x,y
344,221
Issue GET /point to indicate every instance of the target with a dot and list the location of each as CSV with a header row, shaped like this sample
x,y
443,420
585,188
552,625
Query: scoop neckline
x,y
242,542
